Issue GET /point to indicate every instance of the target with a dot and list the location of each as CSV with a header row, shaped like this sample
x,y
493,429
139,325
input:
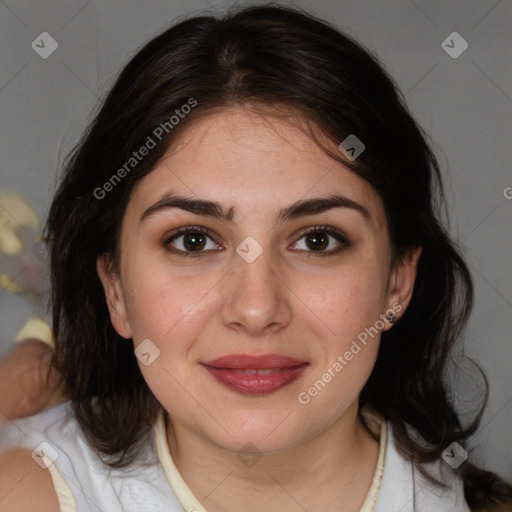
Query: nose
x,y
257,297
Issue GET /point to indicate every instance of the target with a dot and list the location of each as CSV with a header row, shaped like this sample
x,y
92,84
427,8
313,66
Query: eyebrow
x,y
301,208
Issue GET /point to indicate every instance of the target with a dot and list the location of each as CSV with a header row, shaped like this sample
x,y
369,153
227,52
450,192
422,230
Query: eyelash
x,y
344,242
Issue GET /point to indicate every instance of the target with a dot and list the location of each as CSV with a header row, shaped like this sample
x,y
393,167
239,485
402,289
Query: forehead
x,y
248,160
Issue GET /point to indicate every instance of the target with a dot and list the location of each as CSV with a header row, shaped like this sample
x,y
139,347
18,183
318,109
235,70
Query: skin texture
x,y
24,485
291,301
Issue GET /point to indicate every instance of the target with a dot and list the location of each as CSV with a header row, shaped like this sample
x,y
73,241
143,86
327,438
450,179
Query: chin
x,y
267,431
253,442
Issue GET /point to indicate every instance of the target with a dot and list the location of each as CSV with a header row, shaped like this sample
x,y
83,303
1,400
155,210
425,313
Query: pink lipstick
x,y
255,375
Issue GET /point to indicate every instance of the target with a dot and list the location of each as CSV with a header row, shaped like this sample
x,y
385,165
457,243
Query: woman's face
x,y
284,273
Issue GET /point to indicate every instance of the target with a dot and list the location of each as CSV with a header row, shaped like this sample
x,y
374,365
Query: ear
x,y
401,282
111,282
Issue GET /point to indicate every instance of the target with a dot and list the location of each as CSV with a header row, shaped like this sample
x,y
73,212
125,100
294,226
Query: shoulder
x,y
28,449
80,476
403,485
51,425
24,485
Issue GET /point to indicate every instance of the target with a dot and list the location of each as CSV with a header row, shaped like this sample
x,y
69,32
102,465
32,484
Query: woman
x,y
254,212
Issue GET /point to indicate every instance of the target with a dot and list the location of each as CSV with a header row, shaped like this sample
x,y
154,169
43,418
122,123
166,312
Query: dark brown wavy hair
x,y
282,58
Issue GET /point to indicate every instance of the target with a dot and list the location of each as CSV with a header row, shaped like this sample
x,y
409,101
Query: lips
x,y
255,375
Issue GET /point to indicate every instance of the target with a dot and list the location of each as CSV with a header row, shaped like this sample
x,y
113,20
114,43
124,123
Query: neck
x,y
331,471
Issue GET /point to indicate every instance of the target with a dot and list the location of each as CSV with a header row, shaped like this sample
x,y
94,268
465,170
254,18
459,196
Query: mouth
x,y
255,375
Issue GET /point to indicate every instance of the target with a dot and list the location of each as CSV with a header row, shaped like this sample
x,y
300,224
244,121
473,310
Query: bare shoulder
x,y
24,485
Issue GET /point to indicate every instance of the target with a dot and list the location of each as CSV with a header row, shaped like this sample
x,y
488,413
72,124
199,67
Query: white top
x,y
153,483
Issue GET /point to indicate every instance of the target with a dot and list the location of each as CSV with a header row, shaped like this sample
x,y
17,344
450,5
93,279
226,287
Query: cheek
x,y
346,320
160,302
344,310
346,302
172,311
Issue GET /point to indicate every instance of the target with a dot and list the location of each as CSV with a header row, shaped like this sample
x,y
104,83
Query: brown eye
x,y
194,241
317,241
323,240
190,240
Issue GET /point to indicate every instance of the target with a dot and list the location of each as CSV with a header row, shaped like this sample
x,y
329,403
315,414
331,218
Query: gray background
x,y
464,104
